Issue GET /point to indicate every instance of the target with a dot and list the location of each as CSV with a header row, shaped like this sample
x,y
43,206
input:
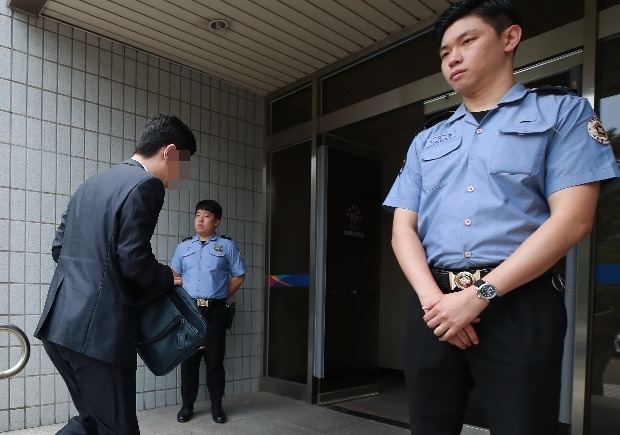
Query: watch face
x,y
487,291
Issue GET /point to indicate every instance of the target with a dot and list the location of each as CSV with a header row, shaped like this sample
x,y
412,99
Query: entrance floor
x,y
255,413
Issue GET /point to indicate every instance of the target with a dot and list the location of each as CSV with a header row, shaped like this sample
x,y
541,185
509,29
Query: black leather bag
x,y
170,329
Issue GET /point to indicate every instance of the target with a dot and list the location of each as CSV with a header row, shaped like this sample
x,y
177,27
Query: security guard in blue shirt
x,y
486,206
212,270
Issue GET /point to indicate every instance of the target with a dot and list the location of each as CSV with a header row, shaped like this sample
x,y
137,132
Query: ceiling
x,y
268,44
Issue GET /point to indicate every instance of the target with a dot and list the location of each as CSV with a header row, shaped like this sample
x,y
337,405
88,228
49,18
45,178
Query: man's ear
x,y
167,150
512,37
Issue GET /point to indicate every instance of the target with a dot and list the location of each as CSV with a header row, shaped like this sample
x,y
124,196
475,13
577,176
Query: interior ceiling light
x,y
218,25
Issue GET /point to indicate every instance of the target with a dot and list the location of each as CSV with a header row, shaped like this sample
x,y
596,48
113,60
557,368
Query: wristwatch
x,y
486,290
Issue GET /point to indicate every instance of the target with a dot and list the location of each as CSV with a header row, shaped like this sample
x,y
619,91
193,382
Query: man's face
x,y
472,55
205,223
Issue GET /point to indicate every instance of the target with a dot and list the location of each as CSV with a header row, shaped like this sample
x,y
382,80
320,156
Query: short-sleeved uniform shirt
x,y
207,268
481,188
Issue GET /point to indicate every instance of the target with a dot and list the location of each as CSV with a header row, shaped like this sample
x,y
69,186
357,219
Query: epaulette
x,y
187,238
226,237
438,118
554,90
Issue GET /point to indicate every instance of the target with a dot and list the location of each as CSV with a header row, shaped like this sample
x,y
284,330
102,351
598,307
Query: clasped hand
x,y
178,280
452,317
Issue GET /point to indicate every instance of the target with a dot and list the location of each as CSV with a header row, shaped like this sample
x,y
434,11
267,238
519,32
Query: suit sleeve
x,y
138,218
59,238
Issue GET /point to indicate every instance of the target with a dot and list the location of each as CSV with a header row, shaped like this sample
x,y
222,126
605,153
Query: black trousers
x,y
516,367
104,395
213,355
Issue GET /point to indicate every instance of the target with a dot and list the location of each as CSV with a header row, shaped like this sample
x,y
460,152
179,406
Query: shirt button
x,y
467,222
471,188
467,254
479,131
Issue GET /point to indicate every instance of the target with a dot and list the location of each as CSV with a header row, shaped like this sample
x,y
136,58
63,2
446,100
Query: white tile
x,y
49,107
35,71
118,66
33,395
79,55
18,165
5,64
78,84
63,110
33,169
16,269
20,35
5,31
92,88
92,58
91,118
77,142
64,50
50,76
105,64
18,98
50,46
77,172
5,95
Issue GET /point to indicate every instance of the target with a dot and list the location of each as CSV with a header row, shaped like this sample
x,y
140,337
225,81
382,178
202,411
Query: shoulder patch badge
x,y
597,132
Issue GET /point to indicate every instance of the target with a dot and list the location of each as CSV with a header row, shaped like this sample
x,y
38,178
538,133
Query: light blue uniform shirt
x,y
480,189
206,269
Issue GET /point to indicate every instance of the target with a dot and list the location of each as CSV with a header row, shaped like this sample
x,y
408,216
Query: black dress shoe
x,y
185,414
218,414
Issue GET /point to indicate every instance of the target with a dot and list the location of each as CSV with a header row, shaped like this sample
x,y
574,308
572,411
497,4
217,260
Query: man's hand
x,y
452,316
178,280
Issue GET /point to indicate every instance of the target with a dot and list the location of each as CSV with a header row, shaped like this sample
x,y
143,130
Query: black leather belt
x,y
456,280
210,302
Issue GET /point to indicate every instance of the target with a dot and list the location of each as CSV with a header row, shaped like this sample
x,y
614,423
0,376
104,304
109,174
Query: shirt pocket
x,y
187,257
520,149
218,258
438,163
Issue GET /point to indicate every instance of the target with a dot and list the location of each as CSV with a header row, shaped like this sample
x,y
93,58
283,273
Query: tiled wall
x,y
72,104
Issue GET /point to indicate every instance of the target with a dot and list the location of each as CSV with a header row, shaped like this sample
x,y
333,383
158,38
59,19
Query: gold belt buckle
x,y
202,302
464,279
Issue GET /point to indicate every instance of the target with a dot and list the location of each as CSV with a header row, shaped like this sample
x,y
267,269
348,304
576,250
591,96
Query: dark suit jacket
x,y
105,264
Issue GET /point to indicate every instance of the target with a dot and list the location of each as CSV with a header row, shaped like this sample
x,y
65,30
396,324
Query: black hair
x,y
500,14
164,130
211,206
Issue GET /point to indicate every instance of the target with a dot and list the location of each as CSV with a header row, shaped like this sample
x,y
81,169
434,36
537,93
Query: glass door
x,y
352,241
288,293
603,417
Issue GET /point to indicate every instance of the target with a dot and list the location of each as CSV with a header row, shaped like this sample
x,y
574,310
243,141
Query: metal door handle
x,y
23,359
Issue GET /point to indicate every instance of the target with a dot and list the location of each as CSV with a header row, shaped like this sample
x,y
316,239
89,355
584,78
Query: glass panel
x,y
605,342
417,58
291,110
352,299
604,4
289,263
381,73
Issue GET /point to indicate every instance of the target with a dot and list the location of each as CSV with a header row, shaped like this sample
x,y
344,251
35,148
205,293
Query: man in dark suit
x,y
106,264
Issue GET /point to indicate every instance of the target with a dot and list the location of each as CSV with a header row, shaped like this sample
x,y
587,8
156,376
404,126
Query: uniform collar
x,y
514,94
213,238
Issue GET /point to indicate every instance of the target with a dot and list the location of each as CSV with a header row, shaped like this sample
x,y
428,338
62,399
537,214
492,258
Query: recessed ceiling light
x,y
218,25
